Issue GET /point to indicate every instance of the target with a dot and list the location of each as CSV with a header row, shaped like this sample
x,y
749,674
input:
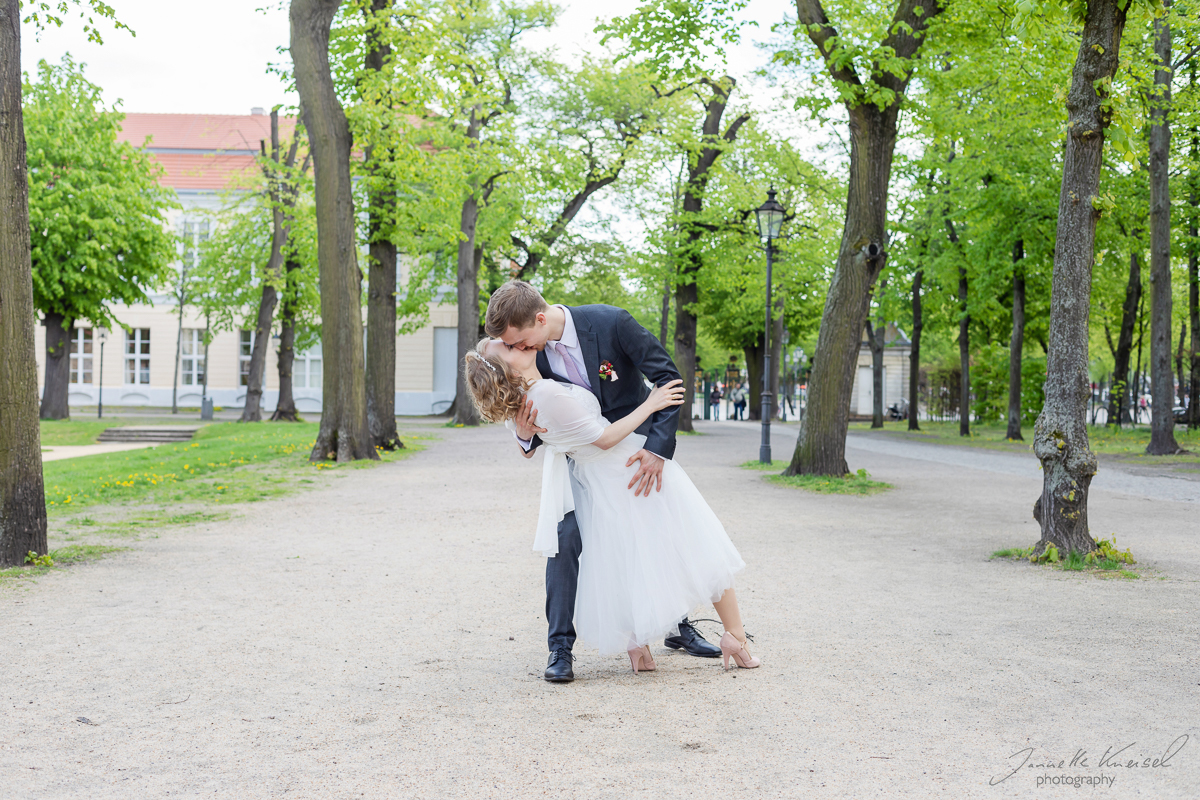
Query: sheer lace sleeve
x,y
568,422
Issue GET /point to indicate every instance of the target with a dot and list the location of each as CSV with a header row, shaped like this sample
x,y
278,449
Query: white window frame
x,y
195,233
191,359
82,356
303,376
137,357
245,353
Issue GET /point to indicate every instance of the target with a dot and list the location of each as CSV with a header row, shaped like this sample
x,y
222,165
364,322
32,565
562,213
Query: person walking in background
x,y
714,399
739,401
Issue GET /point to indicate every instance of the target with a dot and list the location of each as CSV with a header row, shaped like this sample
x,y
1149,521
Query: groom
x,y
604,350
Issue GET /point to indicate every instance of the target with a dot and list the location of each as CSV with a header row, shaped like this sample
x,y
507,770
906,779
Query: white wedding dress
x,y
647,561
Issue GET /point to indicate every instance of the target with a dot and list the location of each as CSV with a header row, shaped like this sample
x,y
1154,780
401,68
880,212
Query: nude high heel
x,y
730,646
640,658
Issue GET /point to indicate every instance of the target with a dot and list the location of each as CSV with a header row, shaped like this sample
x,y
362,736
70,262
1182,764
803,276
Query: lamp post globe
x,y
770,220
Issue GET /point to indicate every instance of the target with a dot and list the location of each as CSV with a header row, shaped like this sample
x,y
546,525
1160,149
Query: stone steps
x,y
174,433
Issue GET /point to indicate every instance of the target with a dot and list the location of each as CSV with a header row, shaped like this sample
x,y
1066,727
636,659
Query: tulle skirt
x,y
647,561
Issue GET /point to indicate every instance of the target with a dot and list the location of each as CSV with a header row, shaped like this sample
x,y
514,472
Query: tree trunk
x,y
22,494
875,344
468,307
1194,270
914,357
1138,375
876,340
664,323
343,434
1060,436
821,448
181,297
776,357
1016,344
1118,397
1162,382
285,407
754,365
964,342
1179,358
252,409
58,368
381,281
381,342
1194,324
685,350
700,163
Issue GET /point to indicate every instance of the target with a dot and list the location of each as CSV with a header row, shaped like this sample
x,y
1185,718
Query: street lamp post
x,y
770,219
102,335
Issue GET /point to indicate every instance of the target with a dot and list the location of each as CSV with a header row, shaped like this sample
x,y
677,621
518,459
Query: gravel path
x,y
383,637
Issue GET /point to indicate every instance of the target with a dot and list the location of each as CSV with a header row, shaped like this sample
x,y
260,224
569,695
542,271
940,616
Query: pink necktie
x,y
572,370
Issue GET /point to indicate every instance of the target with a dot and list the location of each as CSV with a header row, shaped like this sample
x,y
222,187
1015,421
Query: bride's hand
x,y
667,395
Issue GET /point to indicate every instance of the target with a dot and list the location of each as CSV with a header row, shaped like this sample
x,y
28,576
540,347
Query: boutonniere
x,y
607,373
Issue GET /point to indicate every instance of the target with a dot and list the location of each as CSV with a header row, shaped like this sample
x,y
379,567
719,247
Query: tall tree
x,y
1193,244
1016,343
22,495
1060,434
1119,392
22,492
701,158
343,434
97,215
914,356
872,89
1162,419
876,339
381,269
586,124
275,166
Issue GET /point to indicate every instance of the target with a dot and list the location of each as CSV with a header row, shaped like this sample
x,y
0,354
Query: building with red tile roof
x,y
204,152
157,353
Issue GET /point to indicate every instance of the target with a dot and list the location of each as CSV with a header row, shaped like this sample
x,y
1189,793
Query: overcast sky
x,y
212,57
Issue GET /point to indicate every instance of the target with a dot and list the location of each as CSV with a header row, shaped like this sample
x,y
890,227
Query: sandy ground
x,y
62,451
384,637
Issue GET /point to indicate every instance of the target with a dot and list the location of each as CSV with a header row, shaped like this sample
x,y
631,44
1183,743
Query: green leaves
x,y
679,39
97,212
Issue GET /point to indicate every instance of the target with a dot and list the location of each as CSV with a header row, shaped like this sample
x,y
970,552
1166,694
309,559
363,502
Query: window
x,y
245,350
137,356
191,361
306,370
81,356
195,234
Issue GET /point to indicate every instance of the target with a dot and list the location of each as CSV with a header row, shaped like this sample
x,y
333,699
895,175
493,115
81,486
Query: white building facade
x,y
202,156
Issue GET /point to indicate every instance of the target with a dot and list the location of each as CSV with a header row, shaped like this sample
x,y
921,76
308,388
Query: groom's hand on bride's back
x,y
649,473
526,422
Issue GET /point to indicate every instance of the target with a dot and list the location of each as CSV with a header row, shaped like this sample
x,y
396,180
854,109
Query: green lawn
x,y
226,463
855,483
72,431
1125,442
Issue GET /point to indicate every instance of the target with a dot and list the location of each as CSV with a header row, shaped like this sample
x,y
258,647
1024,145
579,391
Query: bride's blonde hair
x,y
495,389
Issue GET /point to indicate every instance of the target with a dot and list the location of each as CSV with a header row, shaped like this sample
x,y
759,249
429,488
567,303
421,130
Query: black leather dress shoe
x,y
691,642
558,669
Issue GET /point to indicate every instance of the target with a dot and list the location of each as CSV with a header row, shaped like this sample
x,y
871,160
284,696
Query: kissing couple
x,y
631,545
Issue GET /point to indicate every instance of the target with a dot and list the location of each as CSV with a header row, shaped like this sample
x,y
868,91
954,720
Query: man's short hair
x,y
516,304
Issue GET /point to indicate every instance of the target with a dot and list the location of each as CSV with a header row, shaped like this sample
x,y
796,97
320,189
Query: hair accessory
x,y
489,364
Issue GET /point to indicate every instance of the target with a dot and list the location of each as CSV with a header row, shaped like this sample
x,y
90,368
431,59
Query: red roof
x,y
203,151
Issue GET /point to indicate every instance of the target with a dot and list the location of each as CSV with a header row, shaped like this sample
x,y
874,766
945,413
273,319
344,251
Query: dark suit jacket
x,y
608,333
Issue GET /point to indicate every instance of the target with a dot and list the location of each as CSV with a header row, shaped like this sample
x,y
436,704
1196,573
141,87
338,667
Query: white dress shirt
x,y
570,340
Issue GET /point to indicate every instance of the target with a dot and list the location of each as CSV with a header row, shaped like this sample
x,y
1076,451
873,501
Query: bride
x,y
646,561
